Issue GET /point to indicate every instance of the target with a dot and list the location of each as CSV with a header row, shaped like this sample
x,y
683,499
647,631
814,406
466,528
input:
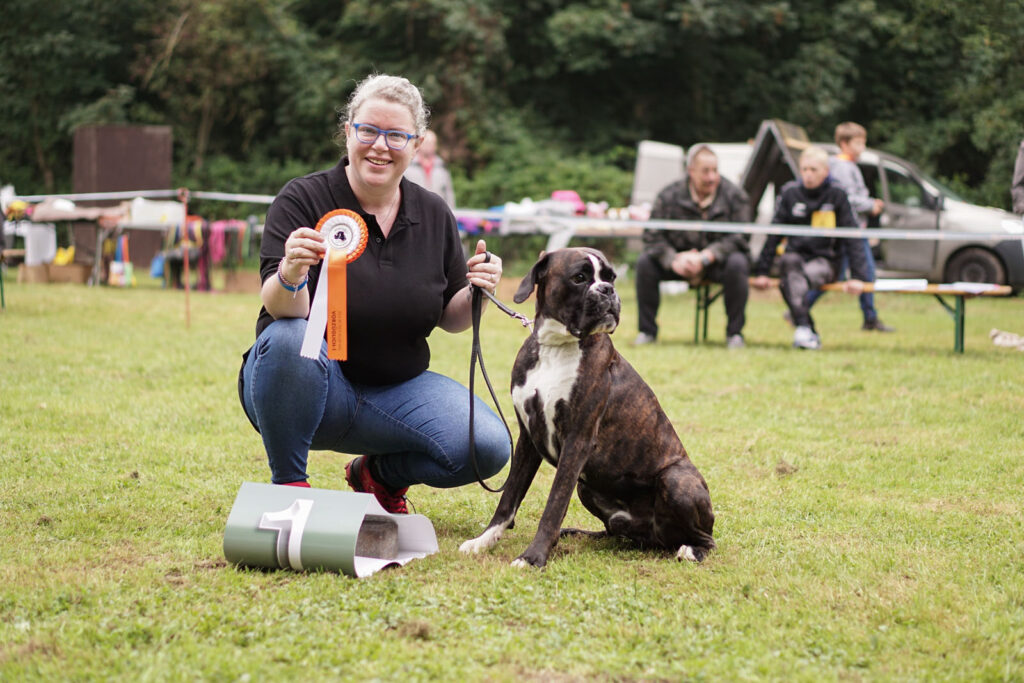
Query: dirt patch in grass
x,y
211,564
783,468
29,650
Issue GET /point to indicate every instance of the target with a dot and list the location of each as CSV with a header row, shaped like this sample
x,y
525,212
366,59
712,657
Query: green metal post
x,y
958,320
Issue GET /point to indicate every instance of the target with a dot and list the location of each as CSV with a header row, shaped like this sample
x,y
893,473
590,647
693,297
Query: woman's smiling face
x,y
376,165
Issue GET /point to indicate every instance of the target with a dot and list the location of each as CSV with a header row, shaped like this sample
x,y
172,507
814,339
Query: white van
x,y
913,201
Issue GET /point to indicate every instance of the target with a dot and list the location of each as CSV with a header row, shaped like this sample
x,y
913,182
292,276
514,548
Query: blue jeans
x,y
418,428
867,299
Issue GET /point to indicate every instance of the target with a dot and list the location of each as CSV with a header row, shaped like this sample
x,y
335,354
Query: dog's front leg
x,y
525,463
570,464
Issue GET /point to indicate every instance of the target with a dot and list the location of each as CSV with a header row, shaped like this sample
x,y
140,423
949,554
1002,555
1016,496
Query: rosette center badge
x,y
345,232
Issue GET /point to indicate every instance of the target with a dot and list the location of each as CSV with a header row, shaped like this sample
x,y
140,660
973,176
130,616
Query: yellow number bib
x,y
823,219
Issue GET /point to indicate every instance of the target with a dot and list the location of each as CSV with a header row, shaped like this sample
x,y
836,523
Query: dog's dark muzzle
x,y
601,309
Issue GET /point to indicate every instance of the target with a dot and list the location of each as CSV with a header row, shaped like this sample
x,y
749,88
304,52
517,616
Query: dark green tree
x,y
527,97
57,58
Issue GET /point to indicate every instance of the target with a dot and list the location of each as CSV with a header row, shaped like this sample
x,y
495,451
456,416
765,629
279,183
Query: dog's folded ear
x,y
536,274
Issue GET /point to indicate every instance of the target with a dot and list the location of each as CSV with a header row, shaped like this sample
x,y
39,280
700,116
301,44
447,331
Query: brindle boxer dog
x,y
585,410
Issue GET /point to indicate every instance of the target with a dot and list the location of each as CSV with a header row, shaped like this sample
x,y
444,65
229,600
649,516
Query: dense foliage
x,y
527,97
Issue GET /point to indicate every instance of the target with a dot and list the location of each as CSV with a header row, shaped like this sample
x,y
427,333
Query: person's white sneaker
x,y
735,341
804,338
643,339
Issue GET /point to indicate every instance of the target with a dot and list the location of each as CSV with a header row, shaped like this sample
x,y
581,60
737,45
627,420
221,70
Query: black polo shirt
x,y
397,289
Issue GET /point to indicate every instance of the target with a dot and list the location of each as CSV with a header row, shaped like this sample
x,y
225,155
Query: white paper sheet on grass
x,y
416,540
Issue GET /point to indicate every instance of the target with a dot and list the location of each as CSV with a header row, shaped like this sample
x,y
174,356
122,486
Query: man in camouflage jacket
x,y
693,255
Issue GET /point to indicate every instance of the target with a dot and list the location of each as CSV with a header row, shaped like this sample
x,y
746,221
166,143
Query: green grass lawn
x,y
868,501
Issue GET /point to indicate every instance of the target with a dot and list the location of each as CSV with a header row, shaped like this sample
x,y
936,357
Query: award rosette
x,y
346,235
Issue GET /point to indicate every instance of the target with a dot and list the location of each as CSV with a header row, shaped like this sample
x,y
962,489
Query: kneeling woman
x,y
408,425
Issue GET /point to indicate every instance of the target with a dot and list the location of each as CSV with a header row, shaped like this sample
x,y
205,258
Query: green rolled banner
x,y
287,527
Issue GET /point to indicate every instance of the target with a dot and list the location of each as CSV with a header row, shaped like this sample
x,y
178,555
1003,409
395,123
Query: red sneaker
x,y
358,476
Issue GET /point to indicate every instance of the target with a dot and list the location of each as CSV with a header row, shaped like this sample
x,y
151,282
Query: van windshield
x,y
940,187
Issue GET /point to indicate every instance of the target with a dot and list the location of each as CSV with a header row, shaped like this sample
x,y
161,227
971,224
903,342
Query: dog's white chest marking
x,y
552,379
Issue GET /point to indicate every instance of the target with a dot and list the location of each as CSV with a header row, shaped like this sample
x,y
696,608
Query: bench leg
x,y
961,311
696,318
958,313
702,292
704,300
707,308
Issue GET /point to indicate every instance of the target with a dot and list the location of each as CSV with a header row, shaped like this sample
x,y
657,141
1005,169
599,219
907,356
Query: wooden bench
x,y
958,310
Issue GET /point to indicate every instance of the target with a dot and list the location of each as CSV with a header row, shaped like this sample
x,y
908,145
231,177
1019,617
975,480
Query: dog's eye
x,y
579,279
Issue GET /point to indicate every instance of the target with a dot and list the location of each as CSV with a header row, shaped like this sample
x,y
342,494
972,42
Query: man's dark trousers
x,y
733,275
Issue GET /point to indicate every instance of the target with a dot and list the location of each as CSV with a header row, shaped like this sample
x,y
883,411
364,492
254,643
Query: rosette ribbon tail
x,y
337,305
316,326
346,235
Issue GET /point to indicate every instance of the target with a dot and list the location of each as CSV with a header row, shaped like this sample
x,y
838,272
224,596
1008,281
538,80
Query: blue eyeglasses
x,y
394,139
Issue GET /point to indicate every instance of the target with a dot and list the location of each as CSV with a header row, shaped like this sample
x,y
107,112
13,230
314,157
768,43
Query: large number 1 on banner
x,y
281,527
289,524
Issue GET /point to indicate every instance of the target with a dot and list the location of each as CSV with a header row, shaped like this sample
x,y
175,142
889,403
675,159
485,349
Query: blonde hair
x,y
848,130
384,87
814,153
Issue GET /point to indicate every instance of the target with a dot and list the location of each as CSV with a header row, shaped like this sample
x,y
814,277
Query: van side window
x,y
905,190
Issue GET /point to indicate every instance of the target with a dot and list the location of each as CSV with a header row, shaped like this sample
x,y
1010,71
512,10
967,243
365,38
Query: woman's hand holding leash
x,y
484,268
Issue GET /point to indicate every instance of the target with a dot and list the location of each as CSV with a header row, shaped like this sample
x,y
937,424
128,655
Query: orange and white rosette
x,y
346,235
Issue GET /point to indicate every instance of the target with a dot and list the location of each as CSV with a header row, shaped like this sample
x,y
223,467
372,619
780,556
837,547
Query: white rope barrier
x,y
511,223
557,224
99,196
234,197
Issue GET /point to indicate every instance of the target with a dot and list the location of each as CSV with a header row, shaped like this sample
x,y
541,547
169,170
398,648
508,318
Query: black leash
x,y
476,309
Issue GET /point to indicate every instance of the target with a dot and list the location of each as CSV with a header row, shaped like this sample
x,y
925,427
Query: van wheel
x,y
975,265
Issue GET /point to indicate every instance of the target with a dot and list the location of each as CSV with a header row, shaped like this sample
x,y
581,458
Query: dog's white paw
x,y
686,553
520,563
484,541
618,524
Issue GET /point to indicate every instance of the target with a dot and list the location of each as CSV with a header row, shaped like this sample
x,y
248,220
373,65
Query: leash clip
x,y
526,322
